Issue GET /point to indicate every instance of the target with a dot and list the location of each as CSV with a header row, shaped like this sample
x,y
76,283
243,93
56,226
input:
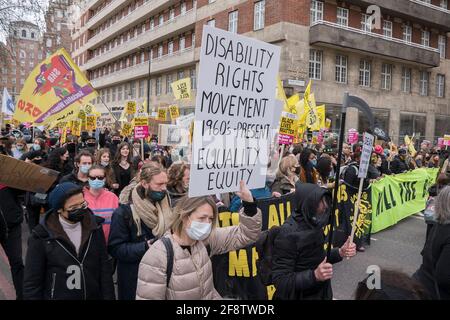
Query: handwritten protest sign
x,y
130,107
174,112
182,89
91,122
234,112
162,112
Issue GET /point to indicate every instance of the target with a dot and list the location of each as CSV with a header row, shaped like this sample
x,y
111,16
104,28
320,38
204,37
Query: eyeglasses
x,y
84,205
98,177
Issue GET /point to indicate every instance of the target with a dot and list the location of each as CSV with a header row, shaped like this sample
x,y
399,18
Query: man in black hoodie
x,y
300,270
67,257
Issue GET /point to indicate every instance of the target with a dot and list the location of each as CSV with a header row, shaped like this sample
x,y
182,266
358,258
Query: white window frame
x,y
170,48
387,28
233,18
315,64
407,33
160,50
406,80
259,15
182,43
316,11
440,86
365,70
424,83
386,76
211,23
158,86
442,44
425,38
341,68
365,26
342,16
169,81
183,7
161,20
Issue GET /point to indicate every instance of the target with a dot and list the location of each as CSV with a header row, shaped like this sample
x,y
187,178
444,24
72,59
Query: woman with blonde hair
x,y
103,158
134,225
193,238
178,181
287,175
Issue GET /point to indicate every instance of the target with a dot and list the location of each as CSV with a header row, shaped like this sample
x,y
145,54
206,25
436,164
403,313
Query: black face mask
x,y
321,220
71,147
116,142
77,215
37,161
91,144
156,196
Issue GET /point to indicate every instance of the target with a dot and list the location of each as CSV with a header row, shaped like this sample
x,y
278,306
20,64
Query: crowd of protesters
x,y
114,210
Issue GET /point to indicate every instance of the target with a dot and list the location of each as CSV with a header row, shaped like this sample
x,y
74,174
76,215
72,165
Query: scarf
x,y
158,217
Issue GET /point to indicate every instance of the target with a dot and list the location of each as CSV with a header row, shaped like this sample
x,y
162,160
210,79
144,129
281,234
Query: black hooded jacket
x,y
299,249
53,269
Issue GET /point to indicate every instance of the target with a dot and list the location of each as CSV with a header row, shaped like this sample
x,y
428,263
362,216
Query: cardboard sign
x,y
25,176
182,89
174,112
234,112
366,155
130,107
172,135
185,121
91,123
126,129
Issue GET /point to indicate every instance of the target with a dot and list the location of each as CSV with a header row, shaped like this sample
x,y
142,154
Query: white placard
x,y
172,135
366,155
234,112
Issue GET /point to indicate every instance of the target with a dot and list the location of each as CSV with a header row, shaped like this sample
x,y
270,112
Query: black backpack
x,y
264,247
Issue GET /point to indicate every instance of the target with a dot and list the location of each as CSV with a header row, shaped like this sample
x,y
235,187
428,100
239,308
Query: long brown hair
x,y
118,156
109,173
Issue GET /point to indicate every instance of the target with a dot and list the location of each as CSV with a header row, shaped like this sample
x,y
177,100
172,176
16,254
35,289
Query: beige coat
x,y
192,277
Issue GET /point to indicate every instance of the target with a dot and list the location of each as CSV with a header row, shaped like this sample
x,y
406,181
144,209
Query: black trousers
x,y
13,249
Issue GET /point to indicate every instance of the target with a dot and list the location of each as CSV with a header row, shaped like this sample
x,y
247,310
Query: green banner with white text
x,y
396,197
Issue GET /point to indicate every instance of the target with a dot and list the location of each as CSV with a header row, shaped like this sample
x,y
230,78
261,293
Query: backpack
x,y
264,247
170,253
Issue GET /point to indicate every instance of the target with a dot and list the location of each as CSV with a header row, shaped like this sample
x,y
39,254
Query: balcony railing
x,y
375,35
136,42
432,6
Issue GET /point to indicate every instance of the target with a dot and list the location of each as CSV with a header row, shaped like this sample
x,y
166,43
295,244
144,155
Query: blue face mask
x,y
36,147
313,163
96,184
85,168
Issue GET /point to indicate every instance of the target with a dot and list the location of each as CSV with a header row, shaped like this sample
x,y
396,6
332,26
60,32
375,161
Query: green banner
x,y
396,197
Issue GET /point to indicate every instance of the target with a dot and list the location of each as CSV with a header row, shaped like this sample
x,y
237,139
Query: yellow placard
x,y
53,86
140,121
75,128
288,124
126,129
328,123
64,135
182,89
91,122
130,107
162,114
174,112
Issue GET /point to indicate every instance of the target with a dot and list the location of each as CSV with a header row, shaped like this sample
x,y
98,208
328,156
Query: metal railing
x,y
374,35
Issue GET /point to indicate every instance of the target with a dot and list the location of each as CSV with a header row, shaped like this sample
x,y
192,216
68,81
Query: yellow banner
x,y
140,121
91,122
54,85
162,114
130,107
174,112
126,129
182,89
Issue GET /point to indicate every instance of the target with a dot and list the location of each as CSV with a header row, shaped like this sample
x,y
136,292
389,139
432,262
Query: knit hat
x,y
379,150
58,196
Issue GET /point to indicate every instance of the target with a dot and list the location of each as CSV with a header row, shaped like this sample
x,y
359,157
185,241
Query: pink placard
x,y
285,139
352,136
440,142
141,132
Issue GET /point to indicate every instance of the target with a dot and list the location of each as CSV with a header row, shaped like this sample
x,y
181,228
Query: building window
x,y
233,21
141,88
442,43
152,23
366,23
259,13
193,40
142,57
406,80
32,35
387,28
425,40
133,89
386,76
444,4
407,33
381,117
182,43
364,73
24,33
168,84
158,86
172,14
315,64
441,126
160,50
39,55
341,69
440,84
424,76
316,12
193,79
180,75
113,94
170,46
211,23
119,93
411,124
108,96
183,7
161,20
342,16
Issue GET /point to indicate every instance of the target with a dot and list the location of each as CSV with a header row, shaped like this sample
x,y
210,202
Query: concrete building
x,y
57,34
399,67
23,47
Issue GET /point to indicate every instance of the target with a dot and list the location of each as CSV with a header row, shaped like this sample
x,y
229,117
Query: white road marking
x,y
373,239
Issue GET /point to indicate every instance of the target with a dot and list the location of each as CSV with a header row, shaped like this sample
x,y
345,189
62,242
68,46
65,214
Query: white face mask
x,y
199,230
